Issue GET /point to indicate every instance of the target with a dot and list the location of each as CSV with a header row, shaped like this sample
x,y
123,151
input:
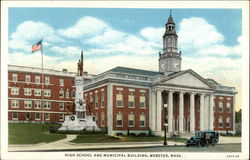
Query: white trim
x,y
39,99
185,90
25,69
110,108
28,83
35,111
223,94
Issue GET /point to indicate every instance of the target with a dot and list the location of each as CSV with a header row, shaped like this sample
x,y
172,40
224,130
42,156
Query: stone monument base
x,y
72,123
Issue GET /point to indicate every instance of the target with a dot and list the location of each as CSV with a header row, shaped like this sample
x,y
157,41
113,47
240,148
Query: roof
x,y
135,71
170,20
176,74
213,81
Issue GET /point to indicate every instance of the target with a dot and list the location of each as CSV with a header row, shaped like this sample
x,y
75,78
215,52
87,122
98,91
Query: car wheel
x,y
199,144
214,141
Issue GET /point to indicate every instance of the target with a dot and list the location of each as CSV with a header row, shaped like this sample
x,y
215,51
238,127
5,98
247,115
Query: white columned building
x,y
192,112
181,111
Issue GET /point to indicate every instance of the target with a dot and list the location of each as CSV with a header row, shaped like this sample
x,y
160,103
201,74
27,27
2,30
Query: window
x,y
37,104
37,92
228,122
96,101
131,77
47,116
27,116
143,78
102,100
119,119
131,101
73,94
47,80
15,91
27,104
14,77
131,120
15,115
27,78
67,93
14,103
61,93
220,122
61,82
47,93
37,79
142,120
142,102
27,91
91,99
46,105
102,119
120,75
220,107
61,106
228,107
61,117
73,82
119,100
37,116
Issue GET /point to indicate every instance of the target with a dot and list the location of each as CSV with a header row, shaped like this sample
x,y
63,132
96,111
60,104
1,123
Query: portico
x,y
184,107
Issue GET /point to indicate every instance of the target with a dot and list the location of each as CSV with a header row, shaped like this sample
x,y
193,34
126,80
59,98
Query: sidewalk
x,y
66,145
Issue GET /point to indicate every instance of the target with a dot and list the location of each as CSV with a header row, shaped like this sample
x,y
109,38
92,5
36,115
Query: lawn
x,y
95,138
24,133
98,138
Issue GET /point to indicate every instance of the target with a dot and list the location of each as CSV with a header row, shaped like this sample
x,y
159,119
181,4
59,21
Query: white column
x,y
202,111
211,112
153,107
110,108
181,112
192,113
158,111
170,111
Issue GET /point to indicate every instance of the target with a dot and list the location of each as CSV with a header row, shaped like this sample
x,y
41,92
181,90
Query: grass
x,y
25,133
95,138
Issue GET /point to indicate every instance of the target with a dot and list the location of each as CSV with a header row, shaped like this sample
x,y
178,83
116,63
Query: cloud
x,y
30,32
111,36
153,34
86,26
70,50
32,60
199,38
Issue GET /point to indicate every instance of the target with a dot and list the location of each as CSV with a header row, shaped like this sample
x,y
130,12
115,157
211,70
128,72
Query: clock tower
x,y
170,59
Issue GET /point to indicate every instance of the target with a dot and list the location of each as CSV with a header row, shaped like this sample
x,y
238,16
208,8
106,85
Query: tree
x,y
238,116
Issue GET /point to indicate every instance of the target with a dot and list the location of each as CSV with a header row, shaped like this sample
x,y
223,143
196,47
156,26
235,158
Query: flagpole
x,y
42,87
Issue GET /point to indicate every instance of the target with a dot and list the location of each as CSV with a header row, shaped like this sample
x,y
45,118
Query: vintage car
x,y
200,138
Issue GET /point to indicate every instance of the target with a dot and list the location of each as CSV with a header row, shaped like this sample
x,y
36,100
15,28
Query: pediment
x,y
188,79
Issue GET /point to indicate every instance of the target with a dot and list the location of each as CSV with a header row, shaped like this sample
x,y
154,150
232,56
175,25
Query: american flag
x,y
37,46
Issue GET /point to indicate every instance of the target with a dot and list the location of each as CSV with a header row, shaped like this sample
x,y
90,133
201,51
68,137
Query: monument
x,y
79,120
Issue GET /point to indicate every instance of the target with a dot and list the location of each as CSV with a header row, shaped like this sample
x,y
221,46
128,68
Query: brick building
x,y
127,98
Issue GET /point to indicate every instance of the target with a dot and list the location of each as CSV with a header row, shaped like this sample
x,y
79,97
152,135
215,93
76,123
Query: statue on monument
x,y
79,120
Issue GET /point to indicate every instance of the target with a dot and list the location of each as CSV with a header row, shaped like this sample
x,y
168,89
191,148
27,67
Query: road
x,y
216,148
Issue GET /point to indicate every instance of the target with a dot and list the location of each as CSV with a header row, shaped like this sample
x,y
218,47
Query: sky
x,y
209,39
